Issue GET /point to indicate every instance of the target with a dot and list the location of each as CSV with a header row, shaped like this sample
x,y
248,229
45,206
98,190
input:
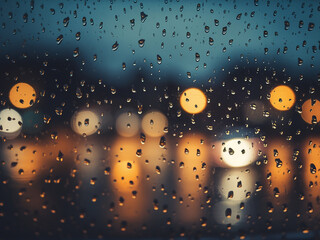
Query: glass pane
x,y
152,119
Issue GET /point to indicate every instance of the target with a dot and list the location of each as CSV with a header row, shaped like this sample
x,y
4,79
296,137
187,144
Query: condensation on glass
x,y
151,119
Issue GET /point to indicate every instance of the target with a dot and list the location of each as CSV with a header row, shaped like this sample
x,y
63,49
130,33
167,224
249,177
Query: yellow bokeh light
x,y
85,122
128,124
24,160
311,109
126,179
239,152
310,148
154,123
282,98
279,170
10,123
22,95
311,153
125,170
236,184
155,157
192,155
193,101
230,212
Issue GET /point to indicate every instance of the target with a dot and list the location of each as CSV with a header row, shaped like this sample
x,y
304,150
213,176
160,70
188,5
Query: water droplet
x,y
66,21
139,152
286,25
59,39
231,151
313,169
278,163
78,36
159,59
197,56
141,42
115,46
143,17
142,138
162,143
228,212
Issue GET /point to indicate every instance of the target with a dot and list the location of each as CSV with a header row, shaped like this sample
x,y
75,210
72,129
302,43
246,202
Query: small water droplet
x,y
115,46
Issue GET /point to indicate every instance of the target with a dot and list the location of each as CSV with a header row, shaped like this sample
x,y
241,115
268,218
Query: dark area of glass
x,y
159,119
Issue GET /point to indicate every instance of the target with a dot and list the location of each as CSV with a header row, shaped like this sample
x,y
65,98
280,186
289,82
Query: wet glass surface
x,y
159,119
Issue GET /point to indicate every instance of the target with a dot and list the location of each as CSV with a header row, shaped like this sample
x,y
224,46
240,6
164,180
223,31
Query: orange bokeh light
x,y
22,95
193,100
125,170
279,167
311,154
24,160
311,109
282,98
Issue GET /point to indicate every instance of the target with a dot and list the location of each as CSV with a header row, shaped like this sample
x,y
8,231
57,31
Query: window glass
x,y
152,119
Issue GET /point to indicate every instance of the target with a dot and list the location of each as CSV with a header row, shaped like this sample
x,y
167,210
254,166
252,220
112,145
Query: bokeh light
x,y
156,157
154,124
128,124
311,111
282,98
236,184
85,122
230,212
22,95
126,177
89,158
125,169
192,156
310,148
23,160
238,152
279,169
10,123
192,173
193,100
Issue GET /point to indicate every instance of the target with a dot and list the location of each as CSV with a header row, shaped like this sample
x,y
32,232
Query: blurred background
x,y
159,119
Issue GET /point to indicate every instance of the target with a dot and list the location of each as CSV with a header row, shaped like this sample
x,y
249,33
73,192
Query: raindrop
x,y
231,151
142,138
78,36
115,46
162,143
224,30
286,25
141,42
143,17
278,163
197,55
159,59
66,21
310,26
230,194
228,213
313,169
139,152
59,39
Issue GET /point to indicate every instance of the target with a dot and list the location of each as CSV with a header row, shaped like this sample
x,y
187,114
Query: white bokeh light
x,y
154,124
238,152
85,122
236,184
230,212
10,123
128,124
